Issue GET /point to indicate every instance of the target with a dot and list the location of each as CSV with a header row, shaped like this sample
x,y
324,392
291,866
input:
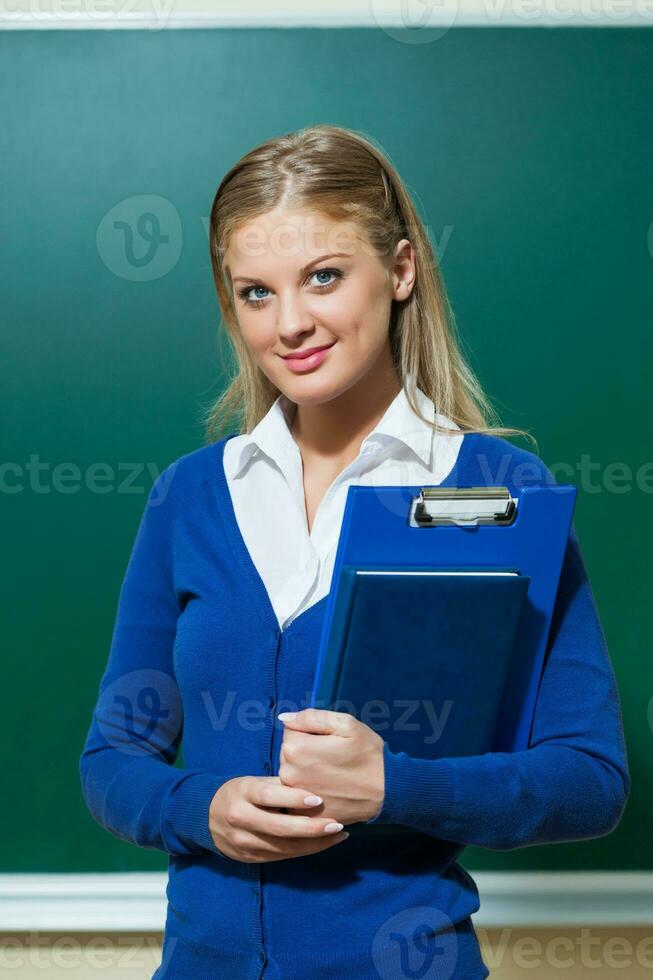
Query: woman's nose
x,y
294,318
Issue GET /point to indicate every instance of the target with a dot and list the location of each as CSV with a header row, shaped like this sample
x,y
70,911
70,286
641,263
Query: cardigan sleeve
x,y
129,781
571,783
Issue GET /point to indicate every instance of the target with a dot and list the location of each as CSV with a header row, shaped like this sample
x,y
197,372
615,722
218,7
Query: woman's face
x,y
301,280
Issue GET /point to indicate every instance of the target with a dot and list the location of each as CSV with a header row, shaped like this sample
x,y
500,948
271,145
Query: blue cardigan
x,y
196,646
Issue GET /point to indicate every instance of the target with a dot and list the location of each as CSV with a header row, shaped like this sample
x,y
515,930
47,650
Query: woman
x,y
315,243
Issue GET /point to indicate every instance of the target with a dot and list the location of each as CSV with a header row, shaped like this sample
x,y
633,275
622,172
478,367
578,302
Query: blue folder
x,y
439,613
423,658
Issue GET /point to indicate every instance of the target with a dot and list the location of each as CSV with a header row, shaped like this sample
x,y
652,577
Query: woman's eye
x,y
258,301
323,272
253,289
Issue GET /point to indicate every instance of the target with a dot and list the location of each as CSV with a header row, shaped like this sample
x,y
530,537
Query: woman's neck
x,y
334,430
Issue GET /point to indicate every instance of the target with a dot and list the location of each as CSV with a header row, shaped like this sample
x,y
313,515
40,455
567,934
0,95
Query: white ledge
x,y
129,902
158,15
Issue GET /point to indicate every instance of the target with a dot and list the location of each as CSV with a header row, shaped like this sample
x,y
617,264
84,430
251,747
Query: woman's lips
x,y
301,364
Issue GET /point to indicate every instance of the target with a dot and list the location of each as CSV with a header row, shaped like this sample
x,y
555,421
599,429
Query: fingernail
x,y
345,835
331,828
312,800
287,715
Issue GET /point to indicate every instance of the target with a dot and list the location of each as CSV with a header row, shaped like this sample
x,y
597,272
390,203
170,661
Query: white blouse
x,y
264,473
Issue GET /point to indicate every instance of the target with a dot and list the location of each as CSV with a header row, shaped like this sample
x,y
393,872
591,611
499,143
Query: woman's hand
x,y
339,757
246,823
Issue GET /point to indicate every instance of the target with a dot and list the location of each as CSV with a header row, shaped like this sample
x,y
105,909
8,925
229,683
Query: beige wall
x,y
538,954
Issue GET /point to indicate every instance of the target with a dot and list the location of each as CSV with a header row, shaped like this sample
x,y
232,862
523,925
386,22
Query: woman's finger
x,y
257,820
264,793
270,791
272,848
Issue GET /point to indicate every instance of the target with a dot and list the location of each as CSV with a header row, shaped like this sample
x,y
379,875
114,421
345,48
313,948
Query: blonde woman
x,y
349,371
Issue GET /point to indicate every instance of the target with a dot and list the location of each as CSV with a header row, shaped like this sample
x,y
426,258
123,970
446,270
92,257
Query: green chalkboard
x,y
528,152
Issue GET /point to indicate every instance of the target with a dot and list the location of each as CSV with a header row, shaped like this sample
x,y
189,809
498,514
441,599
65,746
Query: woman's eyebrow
x,y
303,271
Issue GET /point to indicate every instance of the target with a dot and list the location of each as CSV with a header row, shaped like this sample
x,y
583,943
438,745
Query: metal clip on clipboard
x,y
463,506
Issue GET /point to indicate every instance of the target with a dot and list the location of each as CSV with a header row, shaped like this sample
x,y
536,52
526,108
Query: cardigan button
x,y
268,767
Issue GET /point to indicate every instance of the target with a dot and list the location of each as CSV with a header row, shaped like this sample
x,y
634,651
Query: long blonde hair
x,y
338,172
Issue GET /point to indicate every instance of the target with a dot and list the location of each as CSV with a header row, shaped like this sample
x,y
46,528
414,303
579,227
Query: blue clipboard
x,y
516,537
